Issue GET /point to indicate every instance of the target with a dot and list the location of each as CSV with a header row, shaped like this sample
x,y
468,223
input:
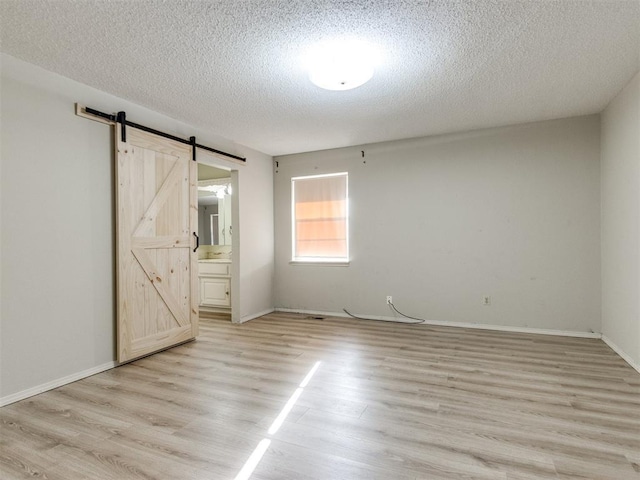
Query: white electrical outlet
x,y
389,299
486,300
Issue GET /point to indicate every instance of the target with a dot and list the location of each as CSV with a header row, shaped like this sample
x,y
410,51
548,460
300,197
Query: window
x,y
319,211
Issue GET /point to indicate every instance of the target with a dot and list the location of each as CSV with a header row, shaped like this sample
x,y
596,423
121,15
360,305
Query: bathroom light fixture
x,y
217,187
341,64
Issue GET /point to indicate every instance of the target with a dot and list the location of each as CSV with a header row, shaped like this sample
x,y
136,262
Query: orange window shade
x,y
320,217
330,249
326,209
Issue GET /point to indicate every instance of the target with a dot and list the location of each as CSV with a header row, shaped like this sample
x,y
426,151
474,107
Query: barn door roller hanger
x,y
121,118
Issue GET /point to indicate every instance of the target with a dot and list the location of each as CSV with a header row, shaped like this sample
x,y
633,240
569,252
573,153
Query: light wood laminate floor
x,y
387,401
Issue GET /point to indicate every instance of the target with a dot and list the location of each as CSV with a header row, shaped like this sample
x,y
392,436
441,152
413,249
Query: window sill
x,y
320,263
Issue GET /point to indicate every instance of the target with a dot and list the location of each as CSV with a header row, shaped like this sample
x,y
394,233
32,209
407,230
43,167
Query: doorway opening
x,y
215,229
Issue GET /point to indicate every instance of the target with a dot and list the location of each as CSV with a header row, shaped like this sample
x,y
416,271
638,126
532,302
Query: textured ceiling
x,y
235,67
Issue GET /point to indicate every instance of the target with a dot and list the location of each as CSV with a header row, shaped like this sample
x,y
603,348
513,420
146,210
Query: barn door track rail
x,y
121,118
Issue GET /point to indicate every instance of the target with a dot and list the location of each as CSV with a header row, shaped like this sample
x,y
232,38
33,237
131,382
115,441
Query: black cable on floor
x,y
420,320
380,320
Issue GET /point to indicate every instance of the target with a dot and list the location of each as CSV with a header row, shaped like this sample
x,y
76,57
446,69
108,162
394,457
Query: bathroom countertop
x,y
215,260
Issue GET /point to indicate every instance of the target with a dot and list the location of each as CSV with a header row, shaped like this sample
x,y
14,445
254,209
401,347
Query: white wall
x,y
621,222
57,275
256,244
439,222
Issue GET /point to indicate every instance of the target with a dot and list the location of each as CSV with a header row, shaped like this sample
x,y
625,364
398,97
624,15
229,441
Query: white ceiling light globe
x,y
341,65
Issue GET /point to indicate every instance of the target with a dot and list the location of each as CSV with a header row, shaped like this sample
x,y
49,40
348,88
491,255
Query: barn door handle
x,y
197,241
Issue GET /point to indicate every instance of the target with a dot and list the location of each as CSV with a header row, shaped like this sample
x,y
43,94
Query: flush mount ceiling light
x,y
341,65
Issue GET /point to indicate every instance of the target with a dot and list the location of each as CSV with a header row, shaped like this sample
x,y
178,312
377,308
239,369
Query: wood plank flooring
x,y
387,401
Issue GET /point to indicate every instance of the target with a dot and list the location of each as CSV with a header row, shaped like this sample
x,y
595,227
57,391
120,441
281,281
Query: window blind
x,y
320,211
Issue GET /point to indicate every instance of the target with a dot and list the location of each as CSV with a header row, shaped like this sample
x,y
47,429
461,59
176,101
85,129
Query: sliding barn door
x,y
156,221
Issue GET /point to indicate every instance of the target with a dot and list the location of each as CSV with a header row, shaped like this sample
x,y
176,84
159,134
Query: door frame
x,y
213,160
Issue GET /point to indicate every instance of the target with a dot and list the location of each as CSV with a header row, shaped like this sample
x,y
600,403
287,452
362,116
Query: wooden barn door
x,y
157,271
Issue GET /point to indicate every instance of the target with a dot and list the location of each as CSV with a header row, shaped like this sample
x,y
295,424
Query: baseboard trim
x,y
621,352
440,323
30,392
256,315
342,314
15,397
